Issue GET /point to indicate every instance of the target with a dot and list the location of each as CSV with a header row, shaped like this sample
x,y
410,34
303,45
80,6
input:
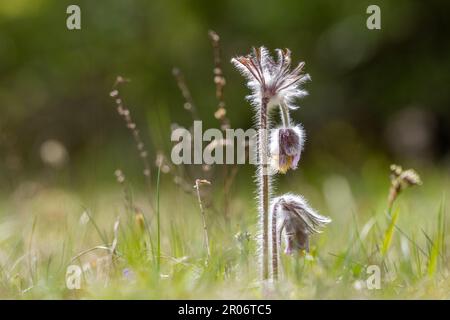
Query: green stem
x,y
158,258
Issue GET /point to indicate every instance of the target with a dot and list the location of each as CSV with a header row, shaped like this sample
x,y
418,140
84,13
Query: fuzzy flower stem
x,y
274,244
264,187
284,110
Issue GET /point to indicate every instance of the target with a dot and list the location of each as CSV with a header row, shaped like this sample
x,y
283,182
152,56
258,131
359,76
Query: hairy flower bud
x,y
297,221
286,145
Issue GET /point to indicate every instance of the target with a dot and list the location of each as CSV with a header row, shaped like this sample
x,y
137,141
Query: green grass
x,y
158,222
387,239
410,247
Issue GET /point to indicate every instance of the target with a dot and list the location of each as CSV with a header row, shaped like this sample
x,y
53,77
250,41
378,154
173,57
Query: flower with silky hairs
x,y
286,145
270,79
296,221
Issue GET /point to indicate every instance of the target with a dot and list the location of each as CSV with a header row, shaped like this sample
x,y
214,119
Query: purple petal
x,y
288,250
282,161
289,142
295,160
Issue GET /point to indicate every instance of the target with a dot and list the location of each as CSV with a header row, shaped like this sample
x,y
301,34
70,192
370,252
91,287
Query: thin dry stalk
x,y
120,177
115,240
219,81
125,113
178,179
189,102
199,182
82,253
400,180
221,115
189,105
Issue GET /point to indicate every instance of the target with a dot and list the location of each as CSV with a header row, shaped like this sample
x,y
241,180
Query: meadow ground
x,y
46,228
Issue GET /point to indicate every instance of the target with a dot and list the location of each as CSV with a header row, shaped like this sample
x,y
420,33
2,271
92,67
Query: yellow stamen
x,y
284,168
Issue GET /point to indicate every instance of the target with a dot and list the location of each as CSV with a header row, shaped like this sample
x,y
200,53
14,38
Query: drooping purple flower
x,y
297,221
286,145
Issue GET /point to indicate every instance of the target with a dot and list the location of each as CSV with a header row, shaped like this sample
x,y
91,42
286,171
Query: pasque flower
x,y
286,145
270,79
273,83
296,221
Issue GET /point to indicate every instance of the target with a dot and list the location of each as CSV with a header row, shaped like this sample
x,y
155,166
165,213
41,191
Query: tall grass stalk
x,y
158,223
221,115
199,182
387,239
437,245
97,228
400,180
31,265
125,113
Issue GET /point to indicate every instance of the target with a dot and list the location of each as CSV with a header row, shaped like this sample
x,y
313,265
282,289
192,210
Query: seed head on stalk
x,y
270,79
400,180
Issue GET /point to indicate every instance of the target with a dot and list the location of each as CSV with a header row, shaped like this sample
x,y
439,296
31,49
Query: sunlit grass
x,y
44,231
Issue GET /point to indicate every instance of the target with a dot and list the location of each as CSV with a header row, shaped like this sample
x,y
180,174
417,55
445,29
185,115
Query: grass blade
x,y
387,239
100,233
158,223
436,245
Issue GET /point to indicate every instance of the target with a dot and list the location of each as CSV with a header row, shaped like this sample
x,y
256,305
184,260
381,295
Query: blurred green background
x,y
376,95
